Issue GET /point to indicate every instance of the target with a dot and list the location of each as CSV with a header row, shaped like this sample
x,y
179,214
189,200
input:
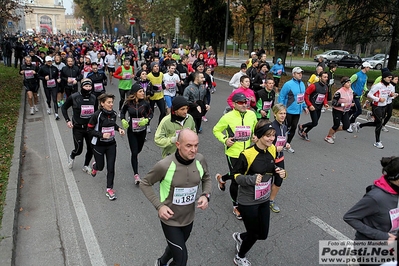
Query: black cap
x,y
135,88
243,66
178,102
239,97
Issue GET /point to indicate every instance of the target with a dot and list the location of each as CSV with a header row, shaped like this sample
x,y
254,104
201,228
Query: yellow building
x,y
72,24
48,16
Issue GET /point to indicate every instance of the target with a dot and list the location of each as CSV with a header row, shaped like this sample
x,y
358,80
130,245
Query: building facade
x,y
47,16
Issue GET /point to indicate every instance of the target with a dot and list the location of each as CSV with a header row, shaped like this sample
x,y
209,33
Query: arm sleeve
x,y
282,98
353,78
239,169
118,72
335,99
161,139
354,217
230,100
218,129
64,108
308,92
233,81
371,93
156,174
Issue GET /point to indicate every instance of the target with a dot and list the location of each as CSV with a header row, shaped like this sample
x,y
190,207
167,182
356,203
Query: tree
x,y
360,22
8,8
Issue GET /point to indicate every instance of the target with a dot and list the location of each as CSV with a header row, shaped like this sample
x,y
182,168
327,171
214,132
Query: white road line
x,y
328,229
92,246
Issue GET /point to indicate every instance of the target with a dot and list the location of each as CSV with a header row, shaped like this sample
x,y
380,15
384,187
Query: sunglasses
x,y
241,102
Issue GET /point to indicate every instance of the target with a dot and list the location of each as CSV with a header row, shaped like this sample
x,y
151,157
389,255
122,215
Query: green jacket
x,y
226,128
167,129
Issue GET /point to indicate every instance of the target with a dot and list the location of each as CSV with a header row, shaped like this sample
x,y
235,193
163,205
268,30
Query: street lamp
x,y
306,34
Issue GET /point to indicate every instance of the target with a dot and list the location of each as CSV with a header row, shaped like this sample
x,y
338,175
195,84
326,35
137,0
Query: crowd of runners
x,y
258,125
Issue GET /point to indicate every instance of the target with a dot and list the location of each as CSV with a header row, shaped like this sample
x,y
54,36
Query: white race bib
x,y
98,87
281,140
320,98
394,215
184,196
135,123
28,74
51,83
267,105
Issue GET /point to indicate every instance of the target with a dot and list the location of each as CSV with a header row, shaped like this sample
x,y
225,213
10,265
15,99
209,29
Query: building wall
x,y
46,15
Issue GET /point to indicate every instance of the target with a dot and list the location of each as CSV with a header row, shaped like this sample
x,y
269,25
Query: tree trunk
x,y
393,51
251,35
282,28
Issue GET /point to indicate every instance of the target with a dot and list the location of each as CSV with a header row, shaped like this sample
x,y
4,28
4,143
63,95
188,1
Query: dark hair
x,y
344,80
390,167
103,97
332,65
243,77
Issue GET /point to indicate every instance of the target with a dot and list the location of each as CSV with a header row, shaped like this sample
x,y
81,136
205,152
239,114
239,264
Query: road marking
x,y
328,229
92,246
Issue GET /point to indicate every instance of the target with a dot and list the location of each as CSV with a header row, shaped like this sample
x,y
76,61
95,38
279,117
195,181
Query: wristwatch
x,y
207,195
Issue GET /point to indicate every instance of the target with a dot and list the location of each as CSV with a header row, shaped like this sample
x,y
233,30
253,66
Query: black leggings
x,y
161,106
379,114
388,113
276,81
315,116
176,238
79,134
229,176
110,152
51,93
256,220
277,178
123,94
292,123
339,116
356,110
136,143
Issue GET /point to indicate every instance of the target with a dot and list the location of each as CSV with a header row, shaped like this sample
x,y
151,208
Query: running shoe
x,y
329,140
32,111
86,169
357,127
200,130
59,104
369,116
56,116
274,207
378,145
48,111
291,150
137,179
384,129
36,109
148,129
306,136
93,171
158,263
350,129
237,238
300,131
204,119
241,261
333,136
221,183
237,213
323,109
110,194
70,162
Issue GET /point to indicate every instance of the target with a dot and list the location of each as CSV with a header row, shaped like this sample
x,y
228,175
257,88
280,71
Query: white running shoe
x,y
148,129
357,127
350,129
329,140
378,145
241,261
384,129
70,162
291,150
32,111
48,111
36,109
86,169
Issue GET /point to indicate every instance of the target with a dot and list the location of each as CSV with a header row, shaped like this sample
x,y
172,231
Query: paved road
x,y
66,219
237,61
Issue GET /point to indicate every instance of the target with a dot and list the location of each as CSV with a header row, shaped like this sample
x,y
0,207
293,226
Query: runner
x,y
234,130
99,81
315,98
171,81
156,79
342,102
140,114
170,126
235,80
125,75
254,172
179,175
292,95
50,77
110,64
82,104
244,89
280,142
265,99
31,83
277,70
389,107
102,127
70,76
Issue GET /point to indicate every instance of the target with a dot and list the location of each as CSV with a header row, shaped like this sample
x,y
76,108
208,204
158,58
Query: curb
x,y
9,230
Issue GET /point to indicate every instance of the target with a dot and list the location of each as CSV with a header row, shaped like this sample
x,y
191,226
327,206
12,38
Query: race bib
x,y
71,80
320,98
184,196
127,76
159,87
135,123
279,72
183,75
110,130
347,107
281,140
267,105
98,87
300,98
28,74
262,190
242,133
34,64
394,215
51,83
102,54
86,111
170,84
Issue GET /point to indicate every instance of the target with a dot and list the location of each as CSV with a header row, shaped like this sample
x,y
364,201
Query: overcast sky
x,y
68,6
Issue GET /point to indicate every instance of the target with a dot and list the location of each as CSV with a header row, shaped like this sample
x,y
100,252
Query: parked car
x,y
350,60
379,63
374,57
331,55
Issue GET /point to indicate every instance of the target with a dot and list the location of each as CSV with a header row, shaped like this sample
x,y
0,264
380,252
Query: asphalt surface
x,y
64,218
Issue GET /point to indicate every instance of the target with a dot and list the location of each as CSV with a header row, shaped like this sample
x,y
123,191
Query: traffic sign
x,y
153,34
132,21
116,29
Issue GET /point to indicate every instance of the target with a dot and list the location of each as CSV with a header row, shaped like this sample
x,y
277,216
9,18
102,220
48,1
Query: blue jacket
x,y
277,69
359,83
288,96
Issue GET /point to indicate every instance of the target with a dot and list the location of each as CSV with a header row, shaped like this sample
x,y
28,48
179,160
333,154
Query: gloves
x,y
143,122
173,139
125,124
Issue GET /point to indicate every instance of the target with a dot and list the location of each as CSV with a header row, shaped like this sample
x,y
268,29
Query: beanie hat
x,y
153,64
135,88
178,102
386,74
385,69
86,82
